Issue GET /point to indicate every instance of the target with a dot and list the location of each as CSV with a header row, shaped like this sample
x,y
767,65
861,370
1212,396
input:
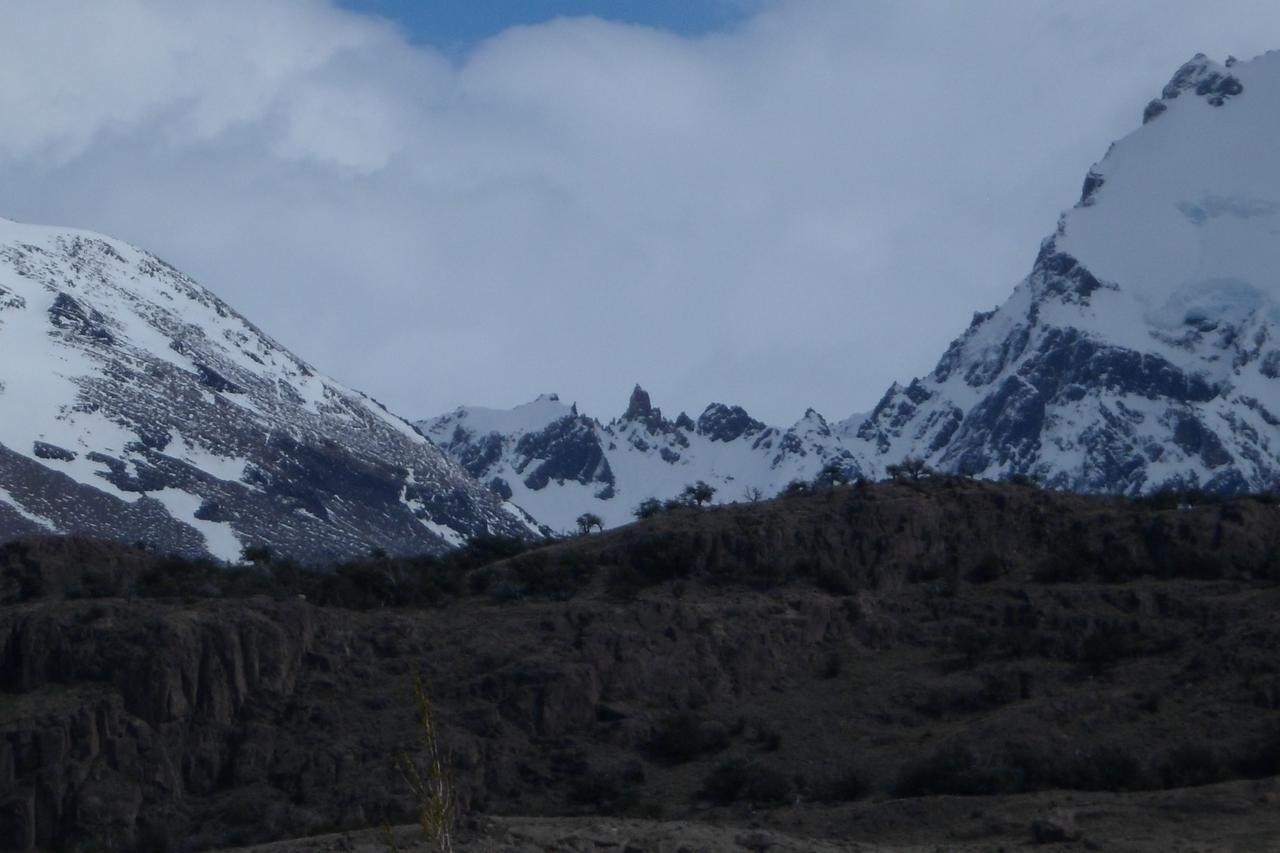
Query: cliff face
x,y
856,629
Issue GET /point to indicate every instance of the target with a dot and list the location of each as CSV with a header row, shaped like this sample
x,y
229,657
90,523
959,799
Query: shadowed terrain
x,y
905,664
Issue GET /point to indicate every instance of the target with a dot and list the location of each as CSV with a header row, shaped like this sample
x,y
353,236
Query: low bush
x,y
607,792
1103,647
958,770
681,738
845,786
1103,769
738,780
1189,765
1261,759
951,770
991,567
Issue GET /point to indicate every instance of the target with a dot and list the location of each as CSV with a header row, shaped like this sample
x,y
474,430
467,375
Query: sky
x,y
781,204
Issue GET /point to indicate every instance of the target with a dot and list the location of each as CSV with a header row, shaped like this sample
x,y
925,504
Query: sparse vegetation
x,y
739,779
911,469
845,786
648,508
698,493
796,489
680,738
589,521
832,474
959,770
428,776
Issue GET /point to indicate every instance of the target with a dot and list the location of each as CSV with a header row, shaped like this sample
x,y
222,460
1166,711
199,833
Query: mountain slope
x,y
557,463
135,405
1143,350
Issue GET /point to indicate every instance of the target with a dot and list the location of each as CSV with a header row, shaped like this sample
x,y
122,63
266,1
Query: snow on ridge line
x,y
558,463
133,380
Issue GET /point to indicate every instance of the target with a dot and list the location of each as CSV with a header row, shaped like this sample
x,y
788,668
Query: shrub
x,y
648,508
767,737
559,581
739,779
833,581
1268,568
698,493
606,792
1190,765
1163,499
680,738
1104,769
796,488
909,470
1102,648
950,770
256,553
1017,768
660,558
987,569
587,521
970,641
482,550
1262,759
1069,564
845,786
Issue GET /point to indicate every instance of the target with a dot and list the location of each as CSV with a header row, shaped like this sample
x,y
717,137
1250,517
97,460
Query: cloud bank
x,y
792,213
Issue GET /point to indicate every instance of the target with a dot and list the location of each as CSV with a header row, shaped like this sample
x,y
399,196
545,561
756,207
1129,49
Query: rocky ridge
x,y
557,463
136,405
1141,353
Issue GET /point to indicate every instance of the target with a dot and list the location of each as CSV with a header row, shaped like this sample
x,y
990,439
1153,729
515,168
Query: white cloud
x,y
792,213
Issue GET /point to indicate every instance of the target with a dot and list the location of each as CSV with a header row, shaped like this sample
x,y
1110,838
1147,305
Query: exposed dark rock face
x,y
568,449
1199,76
1153,110
639,408
44,450
719,422
1092,183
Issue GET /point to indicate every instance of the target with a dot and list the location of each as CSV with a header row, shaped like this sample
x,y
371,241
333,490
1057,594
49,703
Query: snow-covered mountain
x,y
558,463
1143,350
135,405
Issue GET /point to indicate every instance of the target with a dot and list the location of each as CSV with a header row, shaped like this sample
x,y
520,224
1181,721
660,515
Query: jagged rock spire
x,y
639,408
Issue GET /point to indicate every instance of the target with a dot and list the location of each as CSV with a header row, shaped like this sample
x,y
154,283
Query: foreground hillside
x,y
941,662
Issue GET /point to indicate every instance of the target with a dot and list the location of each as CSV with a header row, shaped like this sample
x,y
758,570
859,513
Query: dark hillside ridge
x,y
901,640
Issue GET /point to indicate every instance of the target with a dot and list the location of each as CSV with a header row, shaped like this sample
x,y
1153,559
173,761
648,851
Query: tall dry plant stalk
x,y
428,779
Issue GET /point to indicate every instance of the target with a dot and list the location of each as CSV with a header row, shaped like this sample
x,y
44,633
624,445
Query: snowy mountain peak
x,y
558,465
136,405
1142,350
1139,351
